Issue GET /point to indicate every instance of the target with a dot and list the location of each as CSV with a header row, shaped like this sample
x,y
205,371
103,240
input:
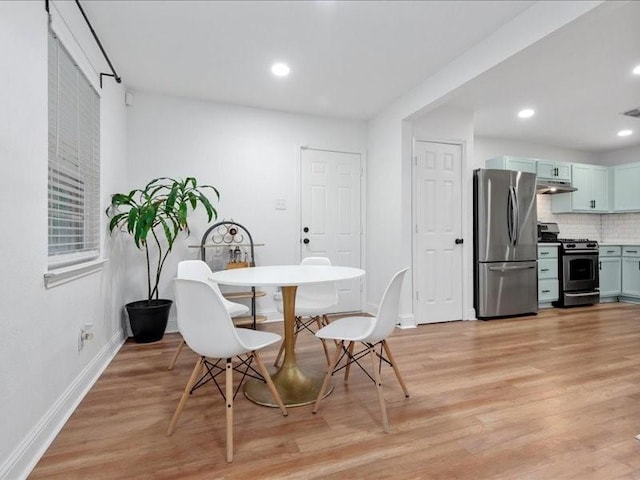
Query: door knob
x,y
305,241
459,241
305,229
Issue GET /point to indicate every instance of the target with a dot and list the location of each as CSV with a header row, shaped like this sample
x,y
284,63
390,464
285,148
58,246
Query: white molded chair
x,y
199,270
312,304
371,332
209,331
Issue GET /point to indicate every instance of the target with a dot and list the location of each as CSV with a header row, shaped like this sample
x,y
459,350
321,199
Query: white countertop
x,y
548,244
623,243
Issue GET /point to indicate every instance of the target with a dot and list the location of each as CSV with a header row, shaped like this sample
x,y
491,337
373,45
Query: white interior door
x,y
331,211
437,210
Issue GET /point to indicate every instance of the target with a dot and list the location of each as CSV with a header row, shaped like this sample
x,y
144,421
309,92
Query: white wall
x,y
42,374
389,140
620,156
251,155
489,147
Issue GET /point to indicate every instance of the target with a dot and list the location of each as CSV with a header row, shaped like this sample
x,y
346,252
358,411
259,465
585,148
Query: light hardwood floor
x,y
551,396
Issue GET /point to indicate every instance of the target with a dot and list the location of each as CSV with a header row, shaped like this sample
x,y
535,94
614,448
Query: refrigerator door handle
x,y
509,269
516,220
512,216
509,218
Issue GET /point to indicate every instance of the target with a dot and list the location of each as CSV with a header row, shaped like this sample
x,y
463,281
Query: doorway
x,y
331,212
437,234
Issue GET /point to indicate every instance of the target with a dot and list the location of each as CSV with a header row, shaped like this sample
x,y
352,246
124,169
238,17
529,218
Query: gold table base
x,y
296,388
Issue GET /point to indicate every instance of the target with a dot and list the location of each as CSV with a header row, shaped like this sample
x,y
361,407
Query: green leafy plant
x,y
157,214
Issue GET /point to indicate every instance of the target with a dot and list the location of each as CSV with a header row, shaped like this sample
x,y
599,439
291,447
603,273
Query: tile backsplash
x,y
605,228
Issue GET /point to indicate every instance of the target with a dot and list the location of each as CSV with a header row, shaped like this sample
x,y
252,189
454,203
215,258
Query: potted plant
x,y
154,216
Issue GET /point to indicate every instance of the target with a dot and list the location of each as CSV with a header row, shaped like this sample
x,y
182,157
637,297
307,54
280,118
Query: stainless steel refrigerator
x,y
505,243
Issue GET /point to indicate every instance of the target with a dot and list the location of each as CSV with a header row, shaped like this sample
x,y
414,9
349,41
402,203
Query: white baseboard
x,y
27,454
407,320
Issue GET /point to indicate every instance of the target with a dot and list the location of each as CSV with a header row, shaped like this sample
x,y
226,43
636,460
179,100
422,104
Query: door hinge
x,y
417,296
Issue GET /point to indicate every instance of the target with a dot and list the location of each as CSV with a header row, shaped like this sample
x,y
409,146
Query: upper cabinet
x,y
553,170
507,162
626,194
592,195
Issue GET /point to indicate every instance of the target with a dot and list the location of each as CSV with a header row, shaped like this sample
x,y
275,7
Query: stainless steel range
x,y
578,272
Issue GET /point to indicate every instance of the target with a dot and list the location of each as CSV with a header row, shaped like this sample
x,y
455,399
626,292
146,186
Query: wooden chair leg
x,y
324,344
228,393
176,355
270,384
347,369
185,395
395,368
330,370
376,375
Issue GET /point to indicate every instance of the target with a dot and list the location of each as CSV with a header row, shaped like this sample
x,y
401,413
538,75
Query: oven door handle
x,y
510,269
581,252
583,294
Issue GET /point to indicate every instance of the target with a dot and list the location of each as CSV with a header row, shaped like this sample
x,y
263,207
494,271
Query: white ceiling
x,y
578,79
348,59
351,59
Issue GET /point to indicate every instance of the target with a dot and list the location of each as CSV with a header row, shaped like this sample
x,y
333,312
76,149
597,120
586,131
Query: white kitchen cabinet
x,y
610,272
631,272
548,286
550,170
626,191
592,194
507,162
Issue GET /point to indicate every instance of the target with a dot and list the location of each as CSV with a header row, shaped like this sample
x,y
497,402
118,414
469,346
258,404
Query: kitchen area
x,y
587,235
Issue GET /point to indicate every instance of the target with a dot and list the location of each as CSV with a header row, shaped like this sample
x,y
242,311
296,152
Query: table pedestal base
x,y
296,387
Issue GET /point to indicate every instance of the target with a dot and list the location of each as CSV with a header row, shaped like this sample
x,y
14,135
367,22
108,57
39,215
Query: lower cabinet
x,y
547,275
610,275
631,272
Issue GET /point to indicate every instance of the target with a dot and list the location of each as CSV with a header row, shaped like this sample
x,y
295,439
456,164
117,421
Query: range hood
x,y
550,187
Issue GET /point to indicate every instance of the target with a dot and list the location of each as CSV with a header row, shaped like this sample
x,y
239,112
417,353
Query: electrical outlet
x,y
85,334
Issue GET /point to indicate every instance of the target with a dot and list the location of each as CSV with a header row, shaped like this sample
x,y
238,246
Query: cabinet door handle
x,y
611,251
544,269
544,253
631,251
546,291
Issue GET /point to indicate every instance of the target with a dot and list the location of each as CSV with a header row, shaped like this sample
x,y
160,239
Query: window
x,y
74,161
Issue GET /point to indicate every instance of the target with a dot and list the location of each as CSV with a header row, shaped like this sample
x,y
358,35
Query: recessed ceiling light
x,y
280,69
637,70
625,133
526,113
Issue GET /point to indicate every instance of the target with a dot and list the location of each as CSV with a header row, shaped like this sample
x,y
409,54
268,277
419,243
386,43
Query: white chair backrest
x,y
322,293
197,270
388,311
204,321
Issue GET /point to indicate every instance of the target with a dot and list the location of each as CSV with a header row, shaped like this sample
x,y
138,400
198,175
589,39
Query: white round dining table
x,y
295,385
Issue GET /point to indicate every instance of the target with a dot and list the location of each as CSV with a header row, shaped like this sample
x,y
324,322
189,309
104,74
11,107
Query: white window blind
x,y
74,161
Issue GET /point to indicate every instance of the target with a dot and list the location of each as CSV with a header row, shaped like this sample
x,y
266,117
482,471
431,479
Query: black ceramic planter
x,y
148,320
